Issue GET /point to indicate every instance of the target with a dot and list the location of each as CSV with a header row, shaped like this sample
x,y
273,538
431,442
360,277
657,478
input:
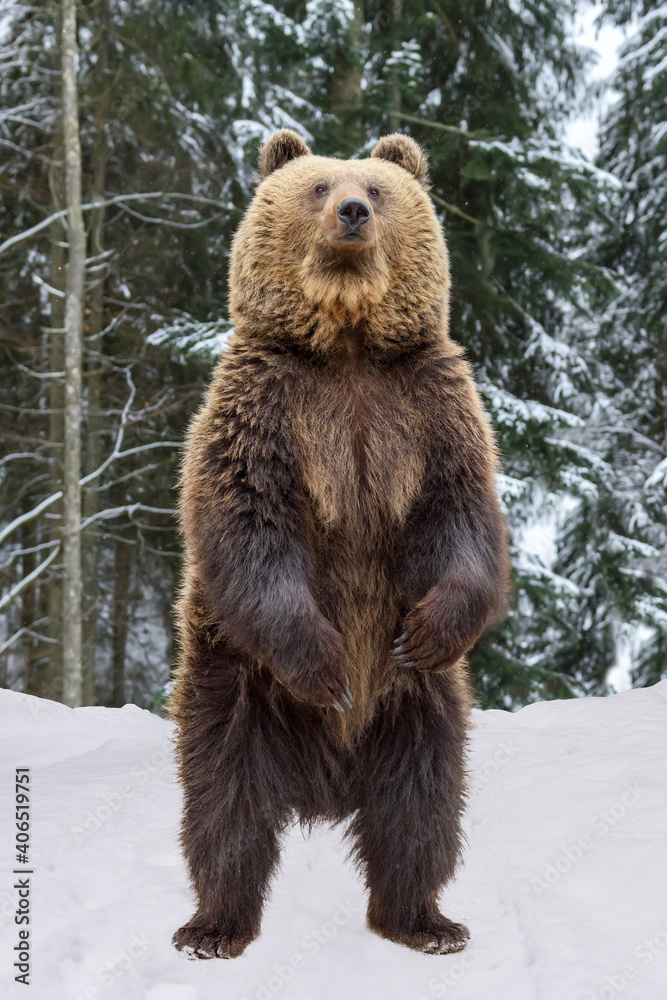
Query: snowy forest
x,y
129,132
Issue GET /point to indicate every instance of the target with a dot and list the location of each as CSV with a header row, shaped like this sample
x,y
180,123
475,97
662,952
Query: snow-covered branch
x,y
129,508
115,455
626,429
50,289
22,584
15,553
26,631
29,515
169,222
117,200
23,454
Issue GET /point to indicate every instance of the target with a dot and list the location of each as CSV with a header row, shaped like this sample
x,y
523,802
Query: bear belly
x,y
361,455
361,468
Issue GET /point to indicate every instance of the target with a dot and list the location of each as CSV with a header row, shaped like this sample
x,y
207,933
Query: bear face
x,y
329,246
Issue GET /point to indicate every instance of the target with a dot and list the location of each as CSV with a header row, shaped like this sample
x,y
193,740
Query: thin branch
x,y
26,234
29,515
24,454
457,211
115,454
20,120
121,431
24,152
117,200
135,451
33,374
115,320
24,552
131,475
100,256
22,584
130,509
608,428
127,305
26,631
9,115
28,409
168,222
440,126
157,405
50,289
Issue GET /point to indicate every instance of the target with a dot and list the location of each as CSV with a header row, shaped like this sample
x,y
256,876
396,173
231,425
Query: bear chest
x,y
361,455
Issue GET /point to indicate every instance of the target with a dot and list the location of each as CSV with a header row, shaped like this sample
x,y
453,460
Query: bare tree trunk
x,y
48,680
29,600
396,11
345,93
121,606
73,364
93,330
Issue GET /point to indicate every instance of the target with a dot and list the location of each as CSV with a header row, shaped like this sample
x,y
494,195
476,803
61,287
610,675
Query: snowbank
x,y
563,886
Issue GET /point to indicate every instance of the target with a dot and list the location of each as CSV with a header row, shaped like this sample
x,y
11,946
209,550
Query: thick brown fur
x,y
341,528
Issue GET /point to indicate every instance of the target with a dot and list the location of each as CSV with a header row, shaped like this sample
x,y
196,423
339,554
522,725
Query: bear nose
x,y
354,212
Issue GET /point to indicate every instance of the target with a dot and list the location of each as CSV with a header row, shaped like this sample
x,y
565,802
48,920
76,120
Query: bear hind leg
x,y
231,890
407,832
235,809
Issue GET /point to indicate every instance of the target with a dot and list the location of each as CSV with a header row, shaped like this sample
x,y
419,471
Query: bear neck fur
x,y
318,315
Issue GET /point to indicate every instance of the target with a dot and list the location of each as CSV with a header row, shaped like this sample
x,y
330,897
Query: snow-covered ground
x,y
563,887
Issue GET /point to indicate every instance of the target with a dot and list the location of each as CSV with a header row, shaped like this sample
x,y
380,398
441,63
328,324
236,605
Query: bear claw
x,y
344,700
438,946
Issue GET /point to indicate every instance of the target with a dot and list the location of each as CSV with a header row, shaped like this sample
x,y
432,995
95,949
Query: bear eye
x,y
373,191
321,190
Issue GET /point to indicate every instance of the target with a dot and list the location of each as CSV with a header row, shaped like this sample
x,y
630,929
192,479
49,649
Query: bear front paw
x,y
198,941
314,669
429,645
425,652
326,686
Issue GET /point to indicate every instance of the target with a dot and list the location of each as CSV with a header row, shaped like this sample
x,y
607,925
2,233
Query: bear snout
x,y
354,213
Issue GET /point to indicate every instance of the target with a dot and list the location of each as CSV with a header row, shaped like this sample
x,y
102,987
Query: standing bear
x,y
345,549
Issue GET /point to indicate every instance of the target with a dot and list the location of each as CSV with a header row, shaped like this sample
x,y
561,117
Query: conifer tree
x,y
633,341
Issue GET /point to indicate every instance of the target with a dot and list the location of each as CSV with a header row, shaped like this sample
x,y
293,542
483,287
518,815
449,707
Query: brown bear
x,y
345,548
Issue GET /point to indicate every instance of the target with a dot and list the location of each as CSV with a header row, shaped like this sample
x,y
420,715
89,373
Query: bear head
x,y
331,248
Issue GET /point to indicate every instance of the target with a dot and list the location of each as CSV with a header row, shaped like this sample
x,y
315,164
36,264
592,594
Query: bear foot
x,y
198,941
433,935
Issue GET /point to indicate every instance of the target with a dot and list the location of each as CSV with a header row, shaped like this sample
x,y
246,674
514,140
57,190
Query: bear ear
x,y
281,147
405,152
